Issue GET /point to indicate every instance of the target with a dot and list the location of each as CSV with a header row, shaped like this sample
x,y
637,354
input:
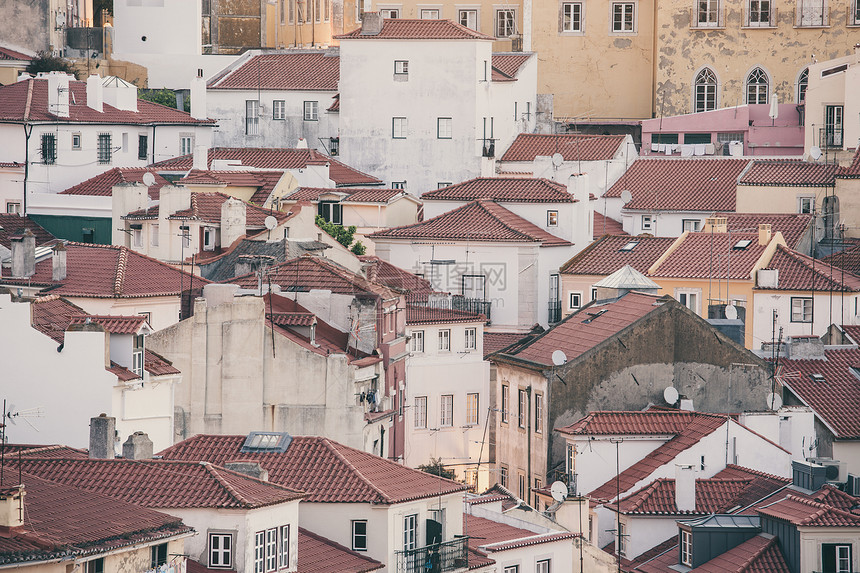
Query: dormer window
x,y
266,442
137,355
686,548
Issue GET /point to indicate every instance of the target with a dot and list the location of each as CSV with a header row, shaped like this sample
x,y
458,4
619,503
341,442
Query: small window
x,y
503,475
359,535
96,565
158,555
153,234
689,299
401,67
443,184
471,339
260,552
803,81
421,412
506,24
399,127
334,146
390,13
400,185
445,340
757,87
277,442
647,222
142,147
623,17
417,341
593,293
543,566
521,485
759,13
284,552
664,138
410,532
221,550
444,127
271,549
522,408
88,236
137,238
691,225
538,413
76,141
571,17
468,18
311,111
801,309
137,355
805,204
512,569
504,404
49,148
742,244
252,117
552,218
575,300
208,239
836,557
279,109
430,14
186,144
708,13
13,207
472,409
446,410
622,536
629,246
686,548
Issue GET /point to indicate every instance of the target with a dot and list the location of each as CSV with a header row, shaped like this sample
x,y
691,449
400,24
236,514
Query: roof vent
x,y
818,378
266,442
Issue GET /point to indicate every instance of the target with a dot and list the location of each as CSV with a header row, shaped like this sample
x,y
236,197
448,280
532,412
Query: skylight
x,y
629,246
266,442
817,377
742,244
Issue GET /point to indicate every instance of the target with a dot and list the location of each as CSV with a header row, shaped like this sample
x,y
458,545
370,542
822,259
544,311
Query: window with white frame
x,y
390,13
399,127
312,109
472,409
252,117
689,298
444,340
137,238
473,286
512,569
284,544
552,218
504,403
855,14
420,411
801,309
221,550
446,410
359,535
76,142
705,91
622,537
575,300
647,222
571,17
813,13
593,293
757,86
401,67
471,338
186,144
503,475
805,204
272,549
13,207
444,127
759,13
399,185
623,17
522,408
803,81
506,23
686,548
430,14
707,13
468,18
836,557
417,341
279,109
410,532
260,552
833,126
538,413
95,565
137,355
691,225
543,566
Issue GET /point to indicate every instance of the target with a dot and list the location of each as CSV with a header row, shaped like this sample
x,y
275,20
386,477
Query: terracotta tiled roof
x,y
717,255
373,195
605,255
313,193
62,521
45,451
12,225
487,536
833,400
807,513
27,100
761,554
335,106
300,71
7,54
316,553
113,324
293,318
264,181
481,220
382,272
163,484
848,259
645,423
428,315
585,329
603,225
573,147
788,173
680,184
510,63
853,170
503,190
102,184
324,469
495,341
793,226
206,207
799,272
275,158
404,29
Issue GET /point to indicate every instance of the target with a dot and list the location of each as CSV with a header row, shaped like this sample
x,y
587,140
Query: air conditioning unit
x,y
836,471
852,485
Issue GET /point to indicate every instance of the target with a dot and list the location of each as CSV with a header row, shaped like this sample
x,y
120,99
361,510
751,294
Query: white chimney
x,y
119,93
95,93
685,487
200,158
24,254
767,278
371,24
12,506
58,93
233,216
577,186
58,261
198,96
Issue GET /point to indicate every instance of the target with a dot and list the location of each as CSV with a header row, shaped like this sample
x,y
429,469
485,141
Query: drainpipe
x,y
28,131
529,437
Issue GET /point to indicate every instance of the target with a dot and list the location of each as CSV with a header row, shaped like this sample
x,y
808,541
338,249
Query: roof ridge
x,y
210,469
482,203
745,566
822,508
119,279
330,445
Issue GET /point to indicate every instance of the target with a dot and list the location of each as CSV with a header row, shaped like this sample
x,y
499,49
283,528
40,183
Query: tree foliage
x,y
343,235
47,62
164,97
437,468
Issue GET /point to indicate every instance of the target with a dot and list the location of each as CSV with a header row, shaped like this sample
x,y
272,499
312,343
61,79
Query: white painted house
x,y
425,103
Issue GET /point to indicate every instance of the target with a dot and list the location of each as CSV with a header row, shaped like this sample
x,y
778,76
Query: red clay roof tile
x,y
793,226
12,225
405,29
760,554
848,259
799,272
316,553
510,64
605,255
712,255
495,341
603,225
788,173
429,315
487,536
206,207
647,422
503,190
9,54
381,271
300,71
102,184
807,513
264,181
853,170
572,147
113,324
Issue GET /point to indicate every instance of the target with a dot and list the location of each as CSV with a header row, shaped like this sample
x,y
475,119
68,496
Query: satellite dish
x,y
559,358
774,402
558,491
731,312
557,159
626,196
61,20
148,179
271,222
815,152
670,394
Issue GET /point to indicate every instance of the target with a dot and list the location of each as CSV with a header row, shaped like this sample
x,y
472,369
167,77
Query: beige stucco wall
x,y
834,89
773,199
848,451
811,539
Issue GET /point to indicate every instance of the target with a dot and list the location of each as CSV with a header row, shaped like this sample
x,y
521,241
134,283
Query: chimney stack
x,y
12,506
232,221
95,95
59,262
200,158
24,254
253,469
764,234
58,93
198,96
102,434
371,24
685,487
719,224
138,446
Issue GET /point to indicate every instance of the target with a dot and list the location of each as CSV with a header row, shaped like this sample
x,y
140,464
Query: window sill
x,y
306,119
616,33
571,33
768,27
703,27
812,27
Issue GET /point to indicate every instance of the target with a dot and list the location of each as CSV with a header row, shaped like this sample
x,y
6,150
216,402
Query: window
x,y
471,339
312,111
623,17
444,127
359,535
801,309
221,550
622,539
833,126
537,499
76,141
410,532
473,286
96,565
252,117
291,11
707,13
472,409
279,109
282,12
88,235
331,211
137,238
813,13
446,410
401,185
445,340
417,341
705,91
430,14
420,411
271,549
208,239
647,222
503,475
759,13
521,486
542,566
805,204
686,548
854,17
803,82
186,144
575,300
104,149
317,10
571,17
539,413
664,138
284,554
552,218
468,18
334,146
399,127
157,555
504,404
13,207
137,355
688,299
522,408
692,225
506,23
401,67
512,569
265,442
390,13
443,184
757,86
142,147
836,558
593,293
260,552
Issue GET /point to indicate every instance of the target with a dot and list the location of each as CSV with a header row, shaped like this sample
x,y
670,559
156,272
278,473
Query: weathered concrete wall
x,y
25,24
235,24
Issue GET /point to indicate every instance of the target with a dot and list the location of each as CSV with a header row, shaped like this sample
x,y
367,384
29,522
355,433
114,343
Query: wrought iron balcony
x,y
436,558
554,311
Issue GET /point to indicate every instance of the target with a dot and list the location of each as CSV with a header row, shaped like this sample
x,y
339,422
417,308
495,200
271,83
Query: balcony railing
x,y
418,304
830,136
554,311
436,558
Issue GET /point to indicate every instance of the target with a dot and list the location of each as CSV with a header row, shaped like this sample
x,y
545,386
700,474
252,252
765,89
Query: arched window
x,y
705,91
802,83
757,86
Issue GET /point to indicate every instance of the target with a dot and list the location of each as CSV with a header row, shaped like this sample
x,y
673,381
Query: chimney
x,y
764,234
685,487
102,433
138,446
371,24
198,96
808,347
232,221
718,224
578,187
253,469
58,261
767,278
58,93
24,254
95,93
119,93
12,506
200,158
